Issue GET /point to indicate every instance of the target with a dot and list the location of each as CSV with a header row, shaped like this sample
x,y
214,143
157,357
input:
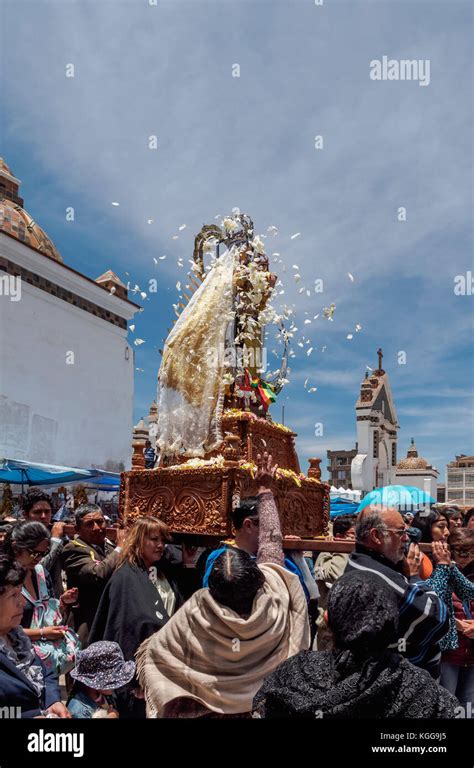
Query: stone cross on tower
x,y
380,356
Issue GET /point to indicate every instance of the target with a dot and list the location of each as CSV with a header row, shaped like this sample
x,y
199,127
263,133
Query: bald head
x,y
382,529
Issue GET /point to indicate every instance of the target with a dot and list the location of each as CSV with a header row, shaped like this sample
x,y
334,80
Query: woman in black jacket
x,y
139,598
26,689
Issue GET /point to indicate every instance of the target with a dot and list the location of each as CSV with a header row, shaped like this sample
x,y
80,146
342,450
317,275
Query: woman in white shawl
x,y
210,659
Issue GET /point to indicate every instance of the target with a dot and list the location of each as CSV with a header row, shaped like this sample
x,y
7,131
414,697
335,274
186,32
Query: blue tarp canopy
x,y
19,472
340,506
105,481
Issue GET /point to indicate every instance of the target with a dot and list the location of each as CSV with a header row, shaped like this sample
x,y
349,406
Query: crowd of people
x,y
142,627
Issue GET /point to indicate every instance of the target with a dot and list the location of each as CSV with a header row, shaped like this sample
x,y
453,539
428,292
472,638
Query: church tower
x,y
376,461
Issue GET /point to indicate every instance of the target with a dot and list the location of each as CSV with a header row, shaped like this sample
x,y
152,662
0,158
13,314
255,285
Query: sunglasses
x,y
35,555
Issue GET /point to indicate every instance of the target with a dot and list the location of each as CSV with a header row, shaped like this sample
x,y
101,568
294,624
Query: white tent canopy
x,y
345,493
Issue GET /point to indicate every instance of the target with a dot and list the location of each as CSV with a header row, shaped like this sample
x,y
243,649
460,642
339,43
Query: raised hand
x,y
414,559
441,553
265,472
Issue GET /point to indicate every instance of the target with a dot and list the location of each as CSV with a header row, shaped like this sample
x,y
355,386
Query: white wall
x,y
426,483
74,414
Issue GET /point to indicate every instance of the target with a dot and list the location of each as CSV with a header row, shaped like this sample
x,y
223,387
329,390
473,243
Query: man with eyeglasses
x,y
381,537
89,561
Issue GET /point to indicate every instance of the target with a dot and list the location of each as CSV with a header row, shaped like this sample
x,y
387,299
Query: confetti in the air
x,y
183,226
143,295
305,383
137,342
312,389
150,221
358,327
131,328
115,203
297,234
308,352
175,237
349,336
273,230
162,257
351,277
178,286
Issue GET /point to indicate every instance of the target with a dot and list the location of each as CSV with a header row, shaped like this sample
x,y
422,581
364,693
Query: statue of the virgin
x,y
212,358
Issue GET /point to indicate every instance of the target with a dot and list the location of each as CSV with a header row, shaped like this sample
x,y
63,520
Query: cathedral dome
x,y
16,222
413,461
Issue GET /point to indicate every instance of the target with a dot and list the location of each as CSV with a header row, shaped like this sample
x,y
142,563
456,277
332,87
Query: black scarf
x,y
130,609
336,684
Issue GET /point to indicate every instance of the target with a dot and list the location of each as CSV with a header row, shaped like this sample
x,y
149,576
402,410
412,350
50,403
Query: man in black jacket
x,y
89,561
423,618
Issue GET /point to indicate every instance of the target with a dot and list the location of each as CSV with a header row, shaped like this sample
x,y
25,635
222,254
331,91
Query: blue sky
x,y
249,141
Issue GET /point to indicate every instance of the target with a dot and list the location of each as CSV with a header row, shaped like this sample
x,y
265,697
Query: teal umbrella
x,y
22,473
403,497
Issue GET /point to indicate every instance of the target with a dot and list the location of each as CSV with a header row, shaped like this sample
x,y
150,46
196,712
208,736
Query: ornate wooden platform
x,y
196,497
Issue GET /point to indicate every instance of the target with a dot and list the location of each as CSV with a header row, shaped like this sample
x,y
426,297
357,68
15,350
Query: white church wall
x,y
66,385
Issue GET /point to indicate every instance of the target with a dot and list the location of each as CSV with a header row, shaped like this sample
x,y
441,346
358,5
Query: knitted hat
x,y
101,666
